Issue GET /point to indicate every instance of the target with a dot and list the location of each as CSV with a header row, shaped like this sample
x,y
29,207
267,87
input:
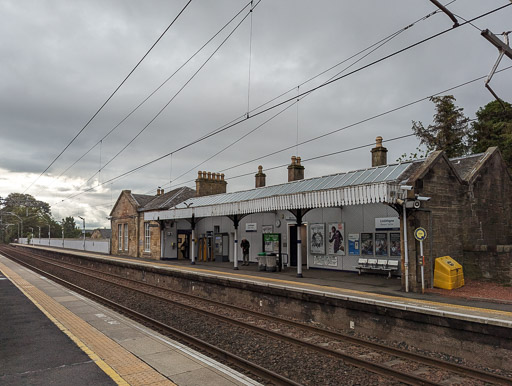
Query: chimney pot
x,y
379,153
260,178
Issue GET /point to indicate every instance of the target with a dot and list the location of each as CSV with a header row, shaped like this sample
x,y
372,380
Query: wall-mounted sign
x,y
387,224
353,244
336,240
251,227
317,239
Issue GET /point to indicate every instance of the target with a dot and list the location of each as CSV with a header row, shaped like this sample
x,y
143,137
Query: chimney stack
x,y
159,191
295,170
260,177
379,153
209,183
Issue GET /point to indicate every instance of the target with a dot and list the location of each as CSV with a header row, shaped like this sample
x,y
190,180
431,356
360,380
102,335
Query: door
x,y
183,244
293,245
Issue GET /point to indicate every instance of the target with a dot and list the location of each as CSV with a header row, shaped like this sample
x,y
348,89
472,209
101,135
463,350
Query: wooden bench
x,y
385,265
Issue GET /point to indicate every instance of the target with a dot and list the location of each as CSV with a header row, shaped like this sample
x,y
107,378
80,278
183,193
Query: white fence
x,y
92,245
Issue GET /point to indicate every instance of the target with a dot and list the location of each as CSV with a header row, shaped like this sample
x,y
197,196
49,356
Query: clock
x,y
278,223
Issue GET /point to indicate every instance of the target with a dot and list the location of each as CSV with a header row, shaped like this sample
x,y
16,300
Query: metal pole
x,y
193,247
39,235
63,234
406,262
422,268
235,254
299,252
49,234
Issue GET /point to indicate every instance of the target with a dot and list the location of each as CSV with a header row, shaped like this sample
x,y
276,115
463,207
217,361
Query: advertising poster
x,y
394,244
326,261
367,244
336,239
353,244
381,244
317,239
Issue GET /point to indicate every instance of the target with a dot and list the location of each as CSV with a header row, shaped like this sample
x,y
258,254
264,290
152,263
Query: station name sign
x,y
387,224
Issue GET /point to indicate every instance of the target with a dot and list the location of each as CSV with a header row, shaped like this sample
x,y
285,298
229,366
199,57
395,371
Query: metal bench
x,y
377,265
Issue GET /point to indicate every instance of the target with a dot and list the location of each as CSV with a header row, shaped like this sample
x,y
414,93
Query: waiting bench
x,y
385,265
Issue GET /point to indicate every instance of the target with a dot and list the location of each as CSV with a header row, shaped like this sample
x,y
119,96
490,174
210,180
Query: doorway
x,y
183,244
293,244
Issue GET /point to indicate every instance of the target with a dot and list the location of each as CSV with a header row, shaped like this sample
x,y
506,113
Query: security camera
x,y
420,198
406,187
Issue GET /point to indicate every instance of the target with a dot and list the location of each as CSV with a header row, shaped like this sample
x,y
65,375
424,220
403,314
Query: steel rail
x,y
189,339
419,358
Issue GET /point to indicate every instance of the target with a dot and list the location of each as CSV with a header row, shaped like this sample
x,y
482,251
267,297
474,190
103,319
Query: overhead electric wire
x,y
304,93
176,94
375,46
325,155
304,142
352,125
110,97
156,90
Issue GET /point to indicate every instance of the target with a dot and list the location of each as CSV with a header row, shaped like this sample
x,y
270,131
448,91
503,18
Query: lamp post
x,y
32,234
39,234
19,218
62,222
83,229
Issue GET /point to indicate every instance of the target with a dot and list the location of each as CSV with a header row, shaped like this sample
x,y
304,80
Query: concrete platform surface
x,y
51,335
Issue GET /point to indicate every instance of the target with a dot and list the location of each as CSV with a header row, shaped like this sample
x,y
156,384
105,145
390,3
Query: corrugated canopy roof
x,y
350,188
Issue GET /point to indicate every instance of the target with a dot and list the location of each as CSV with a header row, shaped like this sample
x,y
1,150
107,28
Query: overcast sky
x,y
61,60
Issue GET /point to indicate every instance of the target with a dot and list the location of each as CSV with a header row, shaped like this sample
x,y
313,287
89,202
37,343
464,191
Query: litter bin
x,y
448,273
271,262
262,261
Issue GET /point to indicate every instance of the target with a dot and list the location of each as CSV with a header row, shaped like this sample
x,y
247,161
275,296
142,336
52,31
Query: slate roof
x,y
169,199
142,199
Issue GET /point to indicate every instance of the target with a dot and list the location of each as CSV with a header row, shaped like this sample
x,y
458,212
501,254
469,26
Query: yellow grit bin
x,y
448,273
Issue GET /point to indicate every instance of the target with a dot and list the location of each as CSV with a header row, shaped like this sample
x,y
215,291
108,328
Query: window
x,y
147,237
125,237
120,237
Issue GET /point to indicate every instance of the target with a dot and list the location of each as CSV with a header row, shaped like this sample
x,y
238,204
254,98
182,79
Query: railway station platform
x,y
367,288
51,335
368,305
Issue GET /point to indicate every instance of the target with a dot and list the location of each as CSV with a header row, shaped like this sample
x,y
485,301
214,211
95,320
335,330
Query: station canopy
x,y
373,185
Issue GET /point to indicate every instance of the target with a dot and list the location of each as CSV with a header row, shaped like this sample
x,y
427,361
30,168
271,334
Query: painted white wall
x,y
91,245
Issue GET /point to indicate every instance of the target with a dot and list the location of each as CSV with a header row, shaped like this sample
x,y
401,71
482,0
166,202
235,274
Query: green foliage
x,y
25,213
493,127
449,130
420,153
70,228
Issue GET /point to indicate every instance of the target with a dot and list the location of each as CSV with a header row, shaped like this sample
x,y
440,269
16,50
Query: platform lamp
x,y
83,230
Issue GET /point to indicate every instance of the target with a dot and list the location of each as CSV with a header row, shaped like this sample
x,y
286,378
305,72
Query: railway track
x,y
385,361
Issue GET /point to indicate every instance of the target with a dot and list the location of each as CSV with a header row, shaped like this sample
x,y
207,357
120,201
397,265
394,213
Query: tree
x,y
493,127
449,130
70,228
24,209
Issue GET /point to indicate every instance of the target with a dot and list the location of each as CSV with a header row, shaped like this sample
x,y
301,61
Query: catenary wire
x,y
304,93
156,90
109,98
351,125
175,95
287,148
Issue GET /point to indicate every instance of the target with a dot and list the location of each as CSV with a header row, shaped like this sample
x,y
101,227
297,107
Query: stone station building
x,y
468,216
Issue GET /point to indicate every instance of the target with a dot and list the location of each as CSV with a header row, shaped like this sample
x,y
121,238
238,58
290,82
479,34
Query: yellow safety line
x,y
101,364
315,286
